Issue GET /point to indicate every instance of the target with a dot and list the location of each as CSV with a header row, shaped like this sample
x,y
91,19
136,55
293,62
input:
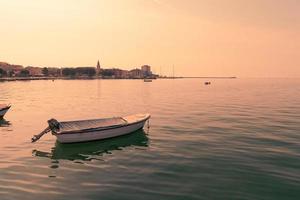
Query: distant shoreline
x,y
94,78
201,77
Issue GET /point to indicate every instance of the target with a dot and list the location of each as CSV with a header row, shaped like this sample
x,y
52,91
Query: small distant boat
x,y
94,129
207,83
147,80
3,109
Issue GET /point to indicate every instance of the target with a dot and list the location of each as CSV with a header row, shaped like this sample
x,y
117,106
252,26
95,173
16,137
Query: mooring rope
x,y
148,123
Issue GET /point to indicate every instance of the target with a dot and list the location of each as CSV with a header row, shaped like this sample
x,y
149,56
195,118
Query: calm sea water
x,y
234,139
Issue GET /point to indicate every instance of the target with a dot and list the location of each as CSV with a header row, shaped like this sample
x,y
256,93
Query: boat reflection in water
x,y
4,123
92,150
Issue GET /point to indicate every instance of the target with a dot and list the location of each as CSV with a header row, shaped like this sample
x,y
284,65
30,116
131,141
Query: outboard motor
x,y
54,125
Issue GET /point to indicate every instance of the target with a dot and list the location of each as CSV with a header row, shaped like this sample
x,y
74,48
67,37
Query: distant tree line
x,y
68,72
79,71
107,72
23,73
3,73
45,71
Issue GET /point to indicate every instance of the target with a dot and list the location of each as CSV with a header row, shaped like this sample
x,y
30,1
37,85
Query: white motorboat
x,y
94,129
3,109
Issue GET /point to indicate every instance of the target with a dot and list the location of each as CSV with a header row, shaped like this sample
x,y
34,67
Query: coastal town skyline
x,y
8,71
6,66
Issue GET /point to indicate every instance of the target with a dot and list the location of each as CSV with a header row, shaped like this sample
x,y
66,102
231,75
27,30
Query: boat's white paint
x,y
98,135
134,125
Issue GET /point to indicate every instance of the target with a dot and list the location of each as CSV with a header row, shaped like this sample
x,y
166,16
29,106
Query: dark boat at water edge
x,y
3,109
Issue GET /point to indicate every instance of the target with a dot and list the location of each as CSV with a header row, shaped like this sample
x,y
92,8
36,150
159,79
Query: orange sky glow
x,y
257,38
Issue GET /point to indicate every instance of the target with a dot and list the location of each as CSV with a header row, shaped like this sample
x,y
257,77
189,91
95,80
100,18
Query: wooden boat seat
x,y
90,124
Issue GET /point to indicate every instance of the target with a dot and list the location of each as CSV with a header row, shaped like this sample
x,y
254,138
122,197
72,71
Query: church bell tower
x,y
98,69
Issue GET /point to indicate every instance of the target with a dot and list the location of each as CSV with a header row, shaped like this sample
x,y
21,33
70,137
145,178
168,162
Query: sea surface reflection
x,y
89,151
232,139
4,123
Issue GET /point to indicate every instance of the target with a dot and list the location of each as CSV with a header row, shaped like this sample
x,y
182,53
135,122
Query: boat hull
x,y
100,134
3,111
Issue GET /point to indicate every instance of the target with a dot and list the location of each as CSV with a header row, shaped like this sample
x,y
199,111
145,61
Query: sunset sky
x,y
245,38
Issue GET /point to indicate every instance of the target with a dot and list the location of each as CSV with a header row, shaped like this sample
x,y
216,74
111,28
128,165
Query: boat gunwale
x,y
86,120
5,108
101,128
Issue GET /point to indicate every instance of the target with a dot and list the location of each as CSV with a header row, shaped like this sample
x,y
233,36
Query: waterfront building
x,y
13,70
135,73
53,71
117,73
34,71
125,74
146,70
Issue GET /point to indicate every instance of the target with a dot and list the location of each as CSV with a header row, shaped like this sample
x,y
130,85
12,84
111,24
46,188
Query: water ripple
x,y
236,139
